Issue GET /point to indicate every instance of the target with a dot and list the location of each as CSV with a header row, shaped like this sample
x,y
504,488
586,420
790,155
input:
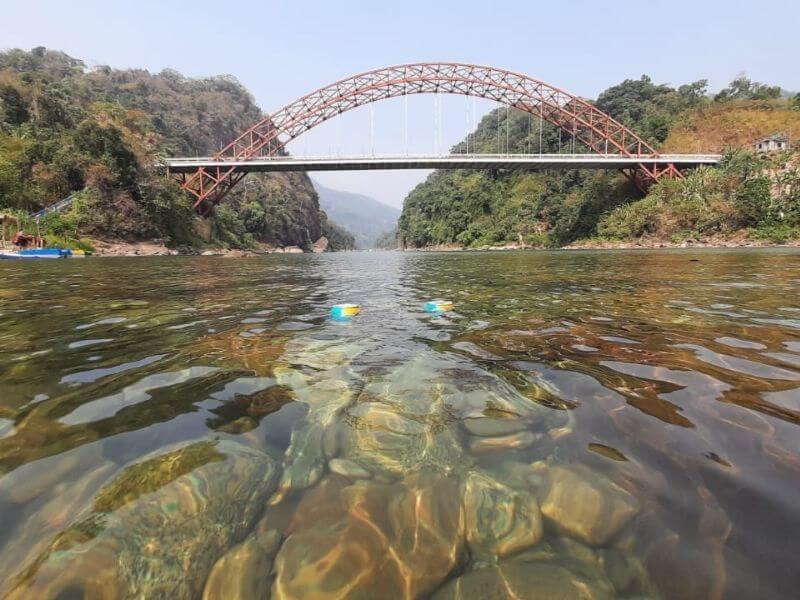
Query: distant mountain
x,y
388,240
364,217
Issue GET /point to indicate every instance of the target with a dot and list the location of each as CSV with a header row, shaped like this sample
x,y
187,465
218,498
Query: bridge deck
x,y
452,161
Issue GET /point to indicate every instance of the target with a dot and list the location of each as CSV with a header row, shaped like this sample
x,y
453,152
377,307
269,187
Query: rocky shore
x,y
641,243
159,248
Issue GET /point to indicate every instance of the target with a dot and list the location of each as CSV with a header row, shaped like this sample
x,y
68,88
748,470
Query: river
x,y
581,424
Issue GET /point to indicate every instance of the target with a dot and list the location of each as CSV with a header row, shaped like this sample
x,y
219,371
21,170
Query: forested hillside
x,y
98,133
755,194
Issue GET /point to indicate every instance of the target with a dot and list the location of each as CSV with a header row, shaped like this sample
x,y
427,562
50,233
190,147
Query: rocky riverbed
x,y
579,425
450,494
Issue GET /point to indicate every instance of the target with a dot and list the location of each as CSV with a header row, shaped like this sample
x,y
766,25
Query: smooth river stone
x,y
515,441
586,505
320,354
625,572
305,460
370,540
158,528
489,426
348,468
385,440
520,579
316,439
45,509
244,572
499,520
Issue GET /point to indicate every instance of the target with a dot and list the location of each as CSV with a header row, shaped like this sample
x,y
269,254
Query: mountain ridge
x,y
363,216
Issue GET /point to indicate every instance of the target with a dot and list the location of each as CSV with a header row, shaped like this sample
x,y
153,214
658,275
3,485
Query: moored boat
x,y
31,253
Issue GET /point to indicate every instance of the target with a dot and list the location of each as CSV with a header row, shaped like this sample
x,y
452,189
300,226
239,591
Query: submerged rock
x,y
305,460
515,441
386,439
158,527
316,439
587,505
499,520
348,468
320,354
244,571
489,426
370,540
41,499
521,579
627,573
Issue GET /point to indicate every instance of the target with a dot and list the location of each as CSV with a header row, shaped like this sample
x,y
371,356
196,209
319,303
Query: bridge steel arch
x,y
589,125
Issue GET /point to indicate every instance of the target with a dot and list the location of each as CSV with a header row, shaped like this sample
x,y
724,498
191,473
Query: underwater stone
x,y
52,510
158,528
517,475
305,460
626,573
587,505
489,426
515,441
520,579
320,354
371,540
348,468
239,426
499,520
244,571
383,439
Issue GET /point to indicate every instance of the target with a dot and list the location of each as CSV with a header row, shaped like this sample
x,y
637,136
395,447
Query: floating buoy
x,y
345,311
438,306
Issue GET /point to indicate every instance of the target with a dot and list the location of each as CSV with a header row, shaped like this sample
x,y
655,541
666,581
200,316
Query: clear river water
x,y
580,425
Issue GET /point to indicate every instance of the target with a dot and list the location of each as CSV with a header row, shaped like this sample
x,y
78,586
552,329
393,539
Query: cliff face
x,y
99,132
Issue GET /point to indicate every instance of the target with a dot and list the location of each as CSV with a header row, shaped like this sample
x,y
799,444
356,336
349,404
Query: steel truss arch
x,y
574,115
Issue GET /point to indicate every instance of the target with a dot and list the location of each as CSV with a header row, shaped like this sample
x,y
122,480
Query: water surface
x,y
604,424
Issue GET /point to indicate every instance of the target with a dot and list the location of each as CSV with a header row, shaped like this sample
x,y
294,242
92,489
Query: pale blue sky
x,y
281,50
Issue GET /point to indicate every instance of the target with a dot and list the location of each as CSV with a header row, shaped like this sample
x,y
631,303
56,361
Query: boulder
x,y
587,505
520,579
158,528
348,468
244,571
514,441
371,540
488,426
499,520
320,245
387,439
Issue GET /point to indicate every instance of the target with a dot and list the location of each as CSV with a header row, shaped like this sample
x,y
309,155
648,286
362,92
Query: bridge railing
x,y
710,158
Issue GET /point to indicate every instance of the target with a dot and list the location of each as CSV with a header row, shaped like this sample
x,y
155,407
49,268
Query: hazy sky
x,y
282,50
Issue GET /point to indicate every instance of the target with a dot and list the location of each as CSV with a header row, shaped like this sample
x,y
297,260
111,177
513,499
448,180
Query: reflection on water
x,y
583,424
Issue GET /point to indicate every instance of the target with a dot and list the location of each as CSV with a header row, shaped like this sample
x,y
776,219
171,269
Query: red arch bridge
x,y
608,143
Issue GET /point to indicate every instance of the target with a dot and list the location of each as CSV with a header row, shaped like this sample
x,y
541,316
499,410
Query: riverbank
x,y
734,241
159,248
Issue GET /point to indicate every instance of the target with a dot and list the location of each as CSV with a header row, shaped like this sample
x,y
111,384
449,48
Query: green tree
x,y
752,200
13,108
742,88
649,108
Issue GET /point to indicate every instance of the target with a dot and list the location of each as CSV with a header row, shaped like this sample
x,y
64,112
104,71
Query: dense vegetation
x,y
475,209
98,134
